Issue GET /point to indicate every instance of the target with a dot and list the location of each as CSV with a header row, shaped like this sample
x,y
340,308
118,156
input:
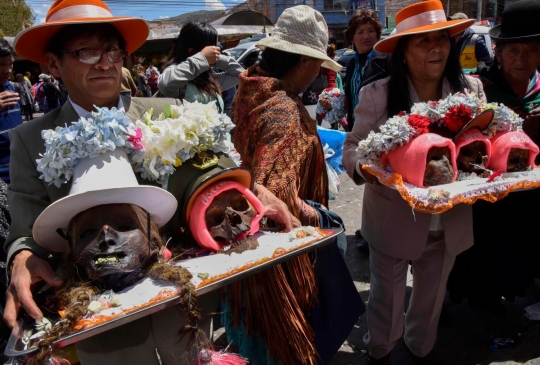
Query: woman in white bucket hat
x,y
278,140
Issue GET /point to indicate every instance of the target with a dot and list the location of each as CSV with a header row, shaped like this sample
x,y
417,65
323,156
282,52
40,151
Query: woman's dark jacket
x,y
377,69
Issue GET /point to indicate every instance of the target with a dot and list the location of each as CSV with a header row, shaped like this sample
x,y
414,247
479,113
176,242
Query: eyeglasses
x,y
92,57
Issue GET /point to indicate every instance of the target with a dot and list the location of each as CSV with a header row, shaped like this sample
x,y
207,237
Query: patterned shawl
x,y
278,140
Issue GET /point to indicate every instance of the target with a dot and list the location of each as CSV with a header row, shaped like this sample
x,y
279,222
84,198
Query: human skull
x,y
109,242
229,215
438,167
517,160
472,154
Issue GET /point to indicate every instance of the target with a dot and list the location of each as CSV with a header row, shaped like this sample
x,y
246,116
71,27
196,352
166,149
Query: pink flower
x,y
136,139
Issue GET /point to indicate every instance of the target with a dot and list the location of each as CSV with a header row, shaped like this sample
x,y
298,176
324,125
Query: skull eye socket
x,y
214,216
88,233
239,203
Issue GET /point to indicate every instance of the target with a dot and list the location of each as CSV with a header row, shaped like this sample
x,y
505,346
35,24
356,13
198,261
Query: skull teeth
x,y
110,259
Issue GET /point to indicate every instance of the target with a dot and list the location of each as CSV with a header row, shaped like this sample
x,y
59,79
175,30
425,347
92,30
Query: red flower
x,y
401,114
419,122
432,104
457,117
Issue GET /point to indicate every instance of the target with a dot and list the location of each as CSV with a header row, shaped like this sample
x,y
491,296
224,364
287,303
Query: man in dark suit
x,y
87,55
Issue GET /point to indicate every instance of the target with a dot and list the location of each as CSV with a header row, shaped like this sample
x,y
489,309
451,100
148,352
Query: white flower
x,y
94,306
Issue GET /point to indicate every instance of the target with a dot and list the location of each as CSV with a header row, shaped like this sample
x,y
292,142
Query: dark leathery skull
x,y
438,167
517,160
229,215
471,157
110,242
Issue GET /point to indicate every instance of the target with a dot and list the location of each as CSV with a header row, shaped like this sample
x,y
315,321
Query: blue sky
x,y
152,9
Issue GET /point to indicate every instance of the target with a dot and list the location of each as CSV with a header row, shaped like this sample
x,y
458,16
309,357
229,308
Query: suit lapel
x,y
67,115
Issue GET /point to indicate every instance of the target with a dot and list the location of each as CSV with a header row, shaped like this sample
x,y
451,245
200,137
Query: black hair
x,y
398,85
193,37
277,63
5,48
105,32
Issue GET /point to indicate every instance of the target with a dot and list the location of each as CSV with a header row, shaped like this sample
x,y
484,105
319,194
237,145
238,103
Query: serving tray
x,y
440,198
274,248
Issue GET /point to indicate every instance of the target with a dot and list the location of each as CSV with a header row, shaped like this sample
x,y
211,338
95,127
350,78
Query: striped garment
x,y
10,117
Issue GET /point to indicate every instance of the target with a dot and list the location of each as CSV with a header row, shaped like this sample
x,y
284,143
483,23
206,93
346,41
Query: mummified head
x,y
225,213
518,160
438,167
110,242
229,215
471,156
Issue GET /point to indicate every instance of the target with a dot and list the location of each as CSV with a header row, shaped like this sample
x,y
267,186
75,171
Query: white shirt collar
x,y
82,113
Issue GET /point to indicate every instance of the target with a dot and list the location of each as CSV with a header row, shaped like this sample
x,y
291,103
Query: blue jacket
x,y
10,117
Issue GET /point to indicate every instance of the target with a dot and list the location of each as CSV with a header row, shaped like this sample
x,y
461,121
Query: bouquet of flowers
x,y
446,115
154,147
177,135
331,105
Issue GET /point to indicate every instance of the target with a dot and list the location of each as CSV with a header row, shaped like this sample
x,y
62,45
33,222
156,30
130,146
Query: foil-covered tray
x,y
17,348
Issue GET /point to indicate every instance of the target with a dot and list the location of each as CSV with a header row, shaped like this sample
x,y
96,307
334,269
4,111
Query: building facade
x,y
336,12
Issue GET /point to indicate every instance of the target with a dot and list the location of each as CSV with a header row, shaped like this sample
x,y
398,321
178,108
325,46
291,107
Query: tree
x,y
15,15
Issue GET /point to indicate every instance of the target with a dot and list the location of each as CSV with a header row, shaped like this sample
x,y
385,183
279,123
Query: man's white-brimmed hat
x,y
301,30
32,42
106,179
422,17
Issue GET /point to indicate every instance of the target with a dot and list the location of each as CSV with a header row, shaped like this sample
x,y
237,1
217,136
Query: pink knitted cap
x,y
470,136
501,145
197,223
409,160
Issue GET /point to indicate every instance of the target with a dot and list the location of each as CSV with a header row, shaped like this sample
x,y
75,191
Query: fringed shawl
x,y
278,140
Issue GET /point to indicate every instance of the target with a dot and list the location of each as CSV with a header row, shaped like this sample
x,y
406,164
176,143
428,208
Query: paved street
x,y
464,333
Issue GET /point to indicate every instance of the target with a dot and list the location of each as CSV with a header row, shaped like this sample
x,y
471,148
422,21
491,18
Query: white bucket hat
x,y
301,30
106,179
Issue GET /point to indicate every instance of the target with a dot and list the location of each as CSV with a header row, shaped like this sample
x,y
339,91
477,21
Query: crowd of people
x,y
482,252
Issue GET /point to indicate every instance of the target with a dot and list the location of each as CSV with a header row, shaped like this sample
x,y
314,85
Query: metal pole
x,y
448,8
479,10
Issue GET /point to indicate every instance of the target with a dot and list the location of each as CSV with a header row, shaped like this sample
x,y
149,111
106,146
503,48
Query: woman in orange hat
x,y
424,67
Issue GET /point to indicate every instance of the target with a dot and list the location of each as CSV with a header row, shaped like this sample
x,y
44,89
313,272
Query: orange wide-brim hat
x,y
422,17
32,42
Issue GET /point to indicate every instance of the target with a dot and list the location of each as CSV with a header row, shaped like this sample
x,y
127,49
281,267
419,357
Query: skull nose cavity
x,y
107,237
234,218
